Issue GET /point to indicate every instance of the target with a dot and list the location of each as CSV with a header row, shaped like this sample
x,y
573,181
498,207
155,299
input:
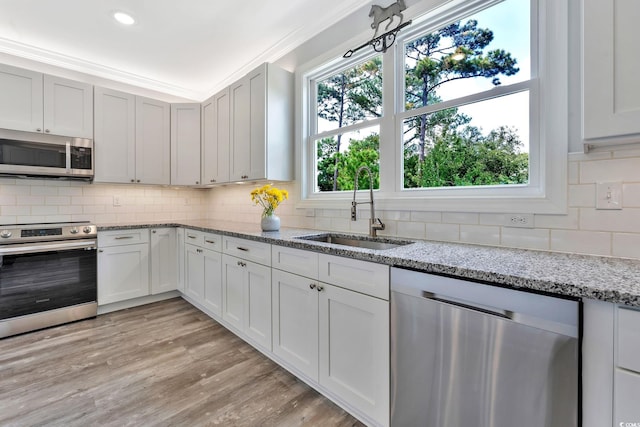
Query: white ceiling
x,y
187,48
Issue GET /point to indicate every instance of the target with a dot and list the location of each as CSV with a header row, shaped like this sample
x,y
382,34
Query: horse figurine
x,y
381,14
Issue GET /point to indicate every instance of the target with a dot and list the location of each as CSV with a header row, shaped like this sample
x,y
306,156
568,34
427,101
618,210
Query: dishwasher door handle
x,y
505,314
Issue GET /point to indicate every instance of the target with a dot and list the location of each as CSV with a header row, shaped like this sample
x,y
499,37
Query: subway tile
x,y
569,221
8,219
582,242
480,234
631,195
44,210
57,200
412,230
525,238
58,218
629,152
70,210
460,218
442,232
38,190
15,210
7,200
70,191
624,220
574,173
394,215
610,170
420,216
626,245
597,155
583,195
30,200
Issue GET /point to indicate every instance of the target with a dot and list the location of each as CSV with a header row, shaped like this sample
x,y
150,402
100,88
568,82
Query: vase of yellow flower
x,y
269,198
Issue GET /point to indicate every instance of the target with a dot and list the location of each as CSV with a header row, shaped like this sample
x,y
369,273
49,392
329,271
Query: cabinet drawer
x,y
193,237
298,261
212,241
629,339
123,237
251,250
625,403
360,276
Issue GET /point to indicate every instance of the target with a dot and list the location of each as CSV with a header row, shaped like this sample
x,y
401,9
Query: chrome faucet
x,y
374,223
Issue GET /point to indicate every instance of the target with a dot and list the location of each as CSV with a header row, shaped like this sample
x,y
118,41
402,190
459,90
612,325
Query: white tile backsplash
x,y
582,242
480,234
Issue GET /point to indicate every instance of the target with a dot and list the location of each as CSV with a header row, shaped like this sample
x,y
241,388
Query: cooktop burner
x,y
22,233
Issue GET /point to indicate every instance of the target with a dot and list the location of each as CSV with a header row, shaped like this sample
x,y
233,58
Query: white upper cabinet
x,y
185,144
115,145
153,142
34,102
261,130
611,93
131,138
216,138
68,107
21,100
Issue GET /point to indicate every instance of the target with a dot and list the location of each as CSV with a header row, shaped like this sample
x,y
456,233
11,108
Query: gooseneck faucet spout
x,y
375,224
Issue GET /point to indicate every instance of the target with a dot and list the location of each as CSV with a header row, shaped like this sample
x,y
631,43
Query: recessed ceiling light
x,y
124,18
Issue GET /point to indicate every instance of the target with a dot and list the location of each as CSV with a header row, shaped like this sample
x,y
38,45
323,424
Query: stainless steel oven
x,y
48,275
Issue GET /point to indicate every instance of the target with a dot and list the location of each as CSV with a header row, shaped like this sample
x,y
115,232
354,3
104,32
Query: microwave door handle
x,y
68,157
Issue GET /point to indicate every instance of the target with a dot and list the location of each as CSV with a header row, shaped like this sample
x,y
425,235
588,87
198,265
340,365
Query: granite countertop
x,y
614,280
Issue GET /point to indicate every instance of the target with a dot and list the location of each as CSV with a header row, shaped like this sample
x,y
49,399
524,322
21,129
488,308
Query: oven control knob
x,y
87,230
5,234
73,231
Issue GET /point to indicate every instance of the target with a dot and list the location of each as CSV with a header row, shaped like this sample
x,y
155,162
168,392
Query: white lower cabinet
x,y
164,277
295,321
331,334
203,270
354,349
246,293
123,265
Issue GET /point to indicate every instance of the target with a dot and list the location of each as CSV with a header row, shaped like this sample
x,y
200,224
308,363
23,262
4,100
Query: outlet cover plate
x,y
609,195
519,220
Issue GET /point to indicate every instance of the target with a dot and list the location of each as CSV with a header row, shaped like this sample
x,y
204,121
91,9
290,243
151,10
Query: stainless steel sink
x,y
366,242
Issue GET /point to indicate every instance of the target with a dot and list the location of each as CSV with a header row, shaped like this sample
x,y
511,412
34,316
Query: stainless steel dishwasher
x,y
469,354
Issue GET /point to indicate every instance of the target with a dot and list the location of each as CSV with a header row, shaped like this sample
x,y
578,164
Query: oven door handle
x,y
87,245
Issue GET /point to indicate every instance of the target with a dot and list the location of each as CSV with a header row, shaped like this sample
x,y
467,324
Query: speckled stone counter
x,y
609,279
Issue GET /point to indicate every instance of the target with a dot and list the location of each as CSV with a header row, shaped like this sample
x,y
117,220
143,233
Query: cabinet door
x,y
123,272
115,145
213,281
626,392
153,143
257,81
194,273
185,144
180,258
233,278
354,349
240,155
163,260
68,107
611,94
257,304
216,138
295,321
21,101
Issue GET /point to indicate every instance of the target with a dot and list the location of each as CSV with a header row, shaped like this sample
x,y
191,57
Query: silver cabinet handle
x,y
39,130
192,237
242,264
210,241
312,286
100,250
320,288
242,249
133,180
123,237
154,231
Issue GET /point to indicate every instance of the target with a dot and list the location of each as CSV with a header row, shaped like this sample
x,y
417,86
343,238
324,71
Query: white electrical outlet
x,y
609,195
519,220
116,201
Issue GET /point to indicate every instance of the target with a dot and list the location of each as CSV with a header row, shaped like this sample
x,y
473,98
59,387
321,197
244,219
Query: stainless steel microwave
x,y
26,154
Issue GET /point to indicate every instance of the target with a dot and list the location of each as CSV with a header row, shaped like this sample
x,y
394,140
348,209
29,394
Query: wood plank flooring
x,y
163,364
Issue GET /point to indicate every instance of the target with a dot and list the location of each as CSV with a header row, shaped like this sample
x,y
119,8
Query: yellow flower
x,y
269,198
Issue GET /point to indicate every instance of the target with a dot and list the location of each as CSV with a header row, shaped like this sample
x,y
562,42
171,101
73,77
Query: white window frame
x,y
546,192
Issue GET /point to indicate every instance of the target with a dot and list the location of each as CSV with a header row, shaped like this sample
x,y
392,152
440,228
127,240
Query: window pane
x,y
351,96
485,143
472,55
339,157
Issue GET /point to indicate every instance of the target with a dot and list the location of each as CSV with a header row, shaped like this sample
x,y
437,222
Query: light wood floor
x,y
163,364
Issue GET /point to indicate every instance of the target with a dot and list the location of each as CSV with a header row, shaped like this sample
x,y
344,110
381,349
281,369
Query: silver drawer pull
x,y
123,237
242,249
210,241
192,237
